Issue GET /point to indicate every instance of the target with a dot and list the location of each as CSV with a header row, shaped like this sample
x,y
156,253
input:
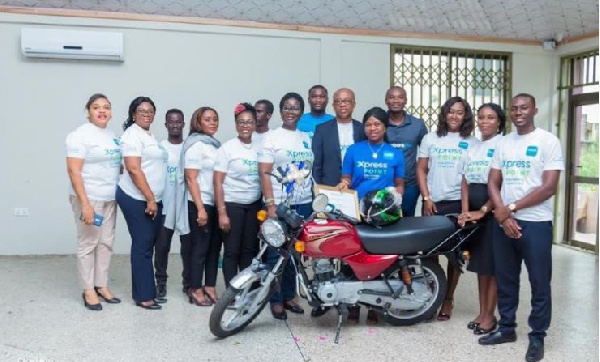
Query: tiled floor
x,y
42,319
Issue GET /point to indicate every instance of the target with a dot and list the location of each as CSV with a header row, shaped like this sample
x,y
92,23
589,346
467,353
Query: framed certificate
x,y
346,200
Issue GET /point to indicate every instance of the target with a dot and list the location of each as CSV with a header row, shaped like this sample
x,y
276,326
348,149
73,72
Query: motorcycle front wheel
x,y
237,308
435,279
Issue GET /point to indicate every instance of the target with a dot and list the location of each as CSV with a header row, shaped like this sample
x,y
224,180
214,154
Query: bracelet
x,y
222,207
270,201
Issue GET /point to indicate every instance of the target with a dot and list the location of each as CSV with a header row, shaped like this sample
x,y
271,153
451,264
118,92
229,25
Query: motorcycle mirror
x,y
307,165
320,203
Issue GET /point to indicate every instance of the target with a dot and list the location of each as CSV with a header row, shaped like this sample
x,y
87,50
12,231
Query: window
x,y
432,75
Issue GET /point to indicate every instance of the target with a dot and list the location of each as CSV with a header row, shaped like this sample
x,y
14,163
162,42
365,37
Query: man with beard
x,y
405,132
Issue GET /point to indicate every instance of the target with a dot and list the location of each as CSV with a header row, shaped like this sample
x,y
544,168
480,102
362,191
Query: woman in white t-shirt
x,y
281,148
139,196
439,173
201,250
93,164
477,207
237,193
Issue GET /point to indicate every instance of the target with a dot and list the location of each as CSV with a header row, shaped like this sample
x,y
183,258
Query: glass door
x,y
582,172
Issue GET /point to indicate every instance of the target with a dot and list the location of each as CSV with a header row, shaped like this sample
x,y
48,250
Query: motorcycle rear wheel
x,y
243,311
436,281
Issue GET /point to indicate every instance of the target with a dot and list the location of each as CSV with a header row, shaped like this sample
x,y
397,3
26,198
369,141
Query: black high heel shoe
x,y
472,325
89,306
481,331
113,300
153,306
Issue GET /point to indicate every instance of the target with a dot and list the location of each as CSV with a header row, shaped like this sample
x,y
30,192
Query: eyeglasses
x,y
145,112
245,123
343,101
291,109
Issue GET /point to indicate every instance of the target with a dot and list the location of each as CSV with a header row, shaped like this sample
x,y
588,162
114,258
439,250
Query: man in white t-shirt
x,y
174,122
522,182
264,111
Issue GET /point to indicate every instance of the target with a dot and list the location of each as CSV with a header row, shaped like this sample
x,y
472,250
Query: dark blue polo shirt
x,y
407,137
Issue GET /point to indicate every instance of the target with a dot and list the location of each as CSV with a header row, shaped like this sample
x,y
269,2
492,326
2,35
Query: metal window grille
x,y
579,72
432,75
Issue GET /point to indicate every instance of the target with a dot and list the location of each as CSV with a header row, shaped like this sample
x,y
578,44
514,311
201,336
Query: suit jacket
x,y
327,167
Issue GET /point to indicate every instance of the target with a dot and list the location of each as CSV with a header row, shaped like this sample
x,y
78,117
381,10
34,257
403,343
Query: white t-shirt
x,y
201,157
479,160
259,137
446,163
522,161
99,149
346,137
174,152
282,147
239,162
137,142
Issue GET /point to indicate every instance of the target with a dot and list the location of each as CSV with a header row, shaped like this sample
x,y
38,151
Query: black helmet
x,y
380,208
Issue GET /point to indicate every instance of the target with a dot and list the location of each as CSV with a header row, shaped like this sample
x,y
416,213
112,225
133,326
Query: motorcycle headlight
x,y
273,233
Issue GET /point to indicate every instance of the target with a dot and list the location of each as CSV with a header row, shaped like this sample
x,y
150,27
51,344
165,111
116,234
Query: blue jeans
x,y
535,248
409,200
144,231
288,277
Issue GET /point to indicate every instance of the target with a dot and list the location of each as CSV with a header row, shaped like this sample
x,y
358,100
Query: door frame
x,y
571,178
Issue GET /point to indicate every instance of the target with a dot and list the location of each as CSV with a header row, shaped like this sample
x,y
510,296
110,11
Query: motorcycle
x,y
391,269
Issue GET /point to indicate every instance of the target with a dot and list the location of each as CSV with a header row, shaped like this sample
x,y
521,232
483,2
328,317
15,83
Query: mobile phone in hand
x,y
97,219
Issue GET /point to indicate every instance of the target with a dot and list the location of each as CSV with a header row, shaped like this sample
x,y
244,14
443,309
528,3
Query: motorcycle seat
x,y
407,236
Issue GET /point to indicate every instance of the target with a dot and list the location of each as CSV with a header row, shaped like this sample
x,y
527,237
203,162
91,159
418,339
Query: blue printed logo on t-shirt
x,y
388,155
116,141
464,145
531,151
306,145
490,152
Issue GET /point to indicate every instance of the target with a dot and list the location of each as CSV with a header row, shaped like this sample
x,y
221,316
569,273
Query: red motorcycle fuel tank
x,y
329,239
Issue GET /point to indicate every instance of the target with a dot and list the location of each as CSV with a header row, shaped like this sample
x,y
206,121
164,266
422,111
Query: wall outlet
x,y
21,211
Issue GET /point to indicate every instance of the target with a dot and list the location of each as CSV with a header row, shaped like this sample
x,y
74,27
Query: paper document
x,y
346,201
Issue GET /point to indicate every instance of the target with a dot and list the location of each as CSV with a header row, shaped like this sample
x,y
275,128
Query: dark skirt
x,y
480,243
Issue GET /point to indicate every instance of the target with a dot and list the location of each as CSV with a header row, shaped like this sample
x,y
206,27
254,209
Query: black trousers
x,y
162,248
201,253
241,242
535,249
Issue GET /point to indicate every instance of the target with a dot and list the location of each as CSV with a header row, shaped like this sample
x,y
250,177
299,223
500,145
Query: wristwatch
x,y
512,207
484,209
426,198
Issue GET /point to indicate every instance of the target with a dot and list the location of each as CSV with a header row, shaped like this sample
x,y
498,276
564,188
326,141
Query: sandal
x,y
207,295
443,316
193,299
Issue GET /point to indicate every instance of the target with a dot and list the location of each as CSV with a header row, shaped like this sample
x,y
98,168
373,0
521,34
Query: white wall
x,y
183,66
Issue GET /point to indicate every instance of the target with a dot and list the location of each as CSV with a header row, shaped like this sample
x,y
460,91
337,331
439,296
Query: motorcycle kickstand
x,y
342,312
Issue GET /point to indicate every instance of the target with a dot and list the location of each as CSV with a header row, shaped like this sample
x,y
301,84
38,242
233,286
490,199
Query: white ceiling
x,y
536,20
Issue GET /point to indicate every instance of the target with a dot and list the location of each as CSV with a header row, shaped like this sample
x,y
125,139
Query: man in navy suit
x,y
329,145
332,139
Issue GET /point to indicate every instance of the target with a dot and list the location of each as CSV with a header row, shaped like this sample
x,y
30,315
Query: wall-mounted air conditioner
x,y
72,44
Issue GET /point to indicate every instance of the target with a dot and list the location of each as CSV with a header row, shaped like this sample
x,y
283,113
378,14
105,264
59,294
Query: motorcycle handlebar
x,y
341,215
